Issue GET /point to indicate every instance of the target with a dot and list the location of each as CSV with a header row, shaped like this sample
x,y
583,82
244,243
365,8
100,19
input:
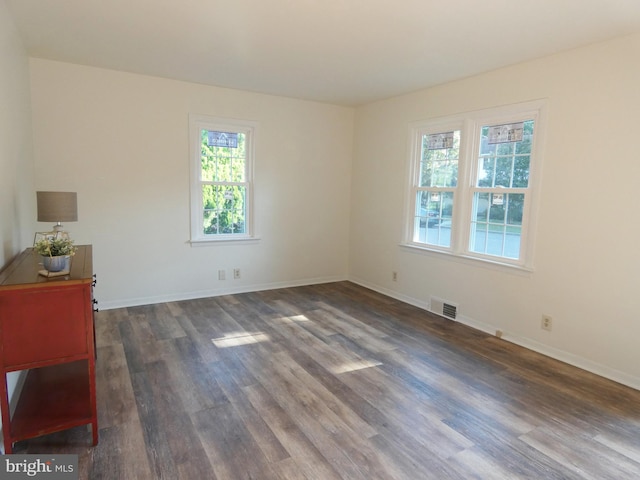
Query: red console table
x,y
46,327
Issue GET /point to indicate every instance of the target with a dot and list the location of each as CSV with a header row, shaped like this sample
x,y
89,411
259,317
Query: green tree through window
x,y
224,197
221,178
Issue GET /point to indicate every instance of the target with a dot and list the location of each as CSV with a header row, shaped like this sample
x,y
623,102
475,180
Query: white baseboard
x,y
390,293
557,354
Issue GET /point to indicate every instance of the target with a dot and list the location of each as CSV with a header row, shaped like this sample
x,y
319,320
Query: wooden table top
x,y
22,271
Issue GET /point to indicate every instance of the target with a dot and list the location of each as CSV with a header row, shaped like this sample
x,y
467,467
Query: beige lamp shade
x,y
57,206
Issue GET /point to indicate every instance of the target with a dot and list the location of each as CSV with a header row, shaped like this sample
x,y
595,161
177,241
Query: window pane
x,y
222,163
486,171
439,160
224,209
208,171
504,171
505,149
238,166
481,207
496,227
521,171
432,224
505,164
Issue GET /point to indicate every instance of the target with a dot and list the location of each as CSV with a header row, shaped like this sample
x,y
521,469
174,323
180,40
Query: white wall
x,y
17,195
587,258
121,141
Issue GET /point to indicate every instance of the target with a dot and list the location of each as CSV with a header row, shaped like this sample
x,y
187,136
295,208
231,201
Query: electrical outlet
x,y
236,273
221,275
394,276
546,323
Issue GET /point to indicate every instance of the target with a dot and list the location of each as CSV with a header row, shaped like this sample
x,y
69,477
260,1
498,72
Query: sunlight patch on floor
x,y
236,339
353,366
292,319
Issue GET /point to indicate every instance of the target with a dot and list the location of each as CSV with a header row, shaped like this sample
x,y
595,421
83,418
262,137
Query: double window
x,y
473,184
221,178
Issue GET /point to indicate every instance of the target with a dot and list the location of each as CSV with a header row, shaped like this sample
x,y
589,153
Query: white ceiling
x,y
345,52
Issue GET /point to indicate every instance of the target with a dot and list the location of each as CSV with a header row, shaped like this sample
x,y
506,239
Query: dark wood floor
x,y
334,382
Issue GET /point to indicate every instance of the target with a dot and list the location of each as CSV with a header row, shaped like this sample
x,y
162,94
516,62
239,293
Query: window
x,y
436,185
472,186
221,178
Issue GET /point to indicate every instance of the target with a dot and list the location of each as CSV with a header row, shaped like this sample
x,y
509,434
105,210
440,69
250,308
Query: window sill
x,y
207,242
468,260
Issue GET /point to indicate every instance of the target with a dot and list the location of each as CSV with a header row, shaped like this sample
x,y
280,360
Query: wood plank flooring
x,y
335,381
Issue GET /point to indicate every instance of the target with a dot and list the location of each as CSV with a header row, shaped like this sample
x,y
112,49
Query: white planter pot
x,y
56,264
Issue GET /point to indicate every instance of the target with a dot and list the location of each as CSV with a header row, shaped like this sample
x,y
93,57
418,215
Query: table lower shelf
x,y
53,398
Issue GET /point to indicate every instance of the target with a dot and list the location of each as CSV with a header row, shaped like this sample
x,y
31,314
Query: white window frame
x,y
470,124
196,124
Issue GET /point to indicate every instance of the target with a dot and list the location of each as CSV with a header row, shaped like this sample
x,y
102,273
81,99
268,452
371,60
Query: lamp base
x,y
56,234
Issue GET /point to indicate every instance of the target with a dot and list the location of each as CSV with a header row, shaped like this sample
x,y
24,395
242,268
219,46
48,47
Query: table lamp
x,y
56,207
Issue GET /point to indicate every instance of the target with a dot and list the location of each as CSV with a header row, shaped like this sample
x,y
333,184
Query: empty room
x,y
320,240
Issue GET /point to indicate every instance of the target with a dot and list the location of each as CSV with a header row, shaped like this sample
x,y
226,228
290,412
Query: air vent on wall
x,y
443,308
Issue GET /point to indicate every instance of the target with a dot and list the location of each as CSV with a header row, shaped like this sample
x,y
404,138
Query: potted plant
x,y
56,252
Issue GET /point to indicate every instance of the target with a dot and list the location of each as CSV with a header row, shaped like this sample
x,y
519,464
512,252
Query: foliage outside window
x,y
472,190
221,191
